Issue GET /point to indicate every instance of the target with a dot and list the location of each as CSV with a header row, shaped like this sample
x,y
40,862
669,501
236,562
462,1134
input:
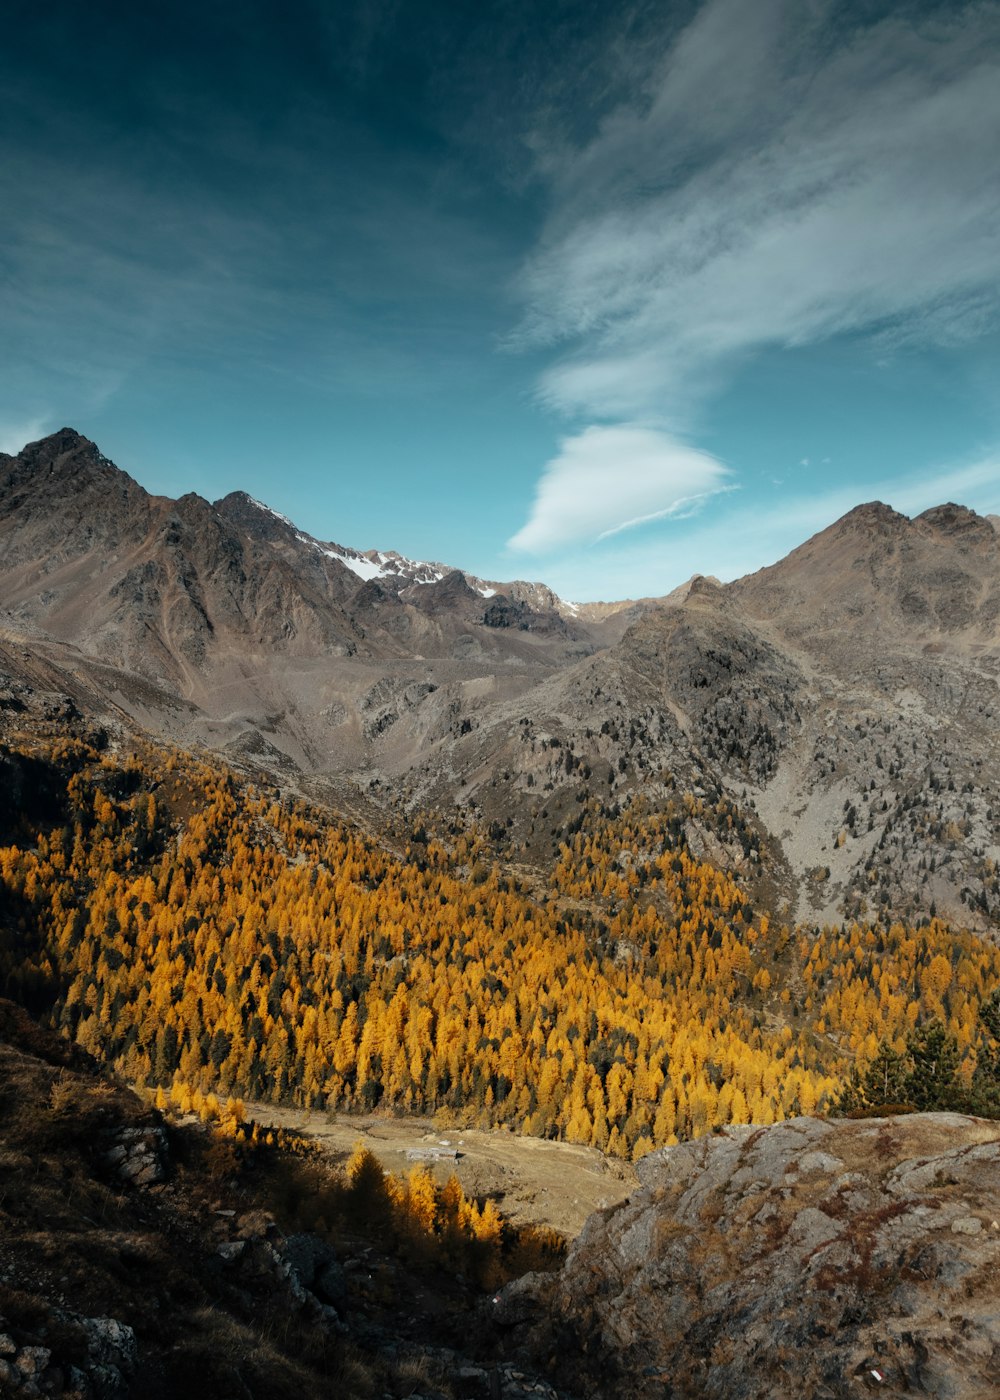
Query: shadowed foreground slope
x,y
140,1257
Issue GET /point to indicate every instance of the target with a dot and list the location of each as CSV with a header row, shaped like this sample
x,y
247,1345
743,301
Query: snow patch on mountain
x,y
268,510
390,564
357,563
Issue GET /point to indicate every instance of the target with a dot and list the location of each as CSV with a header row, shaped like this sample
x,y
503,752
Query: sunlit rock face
x,y
812,1258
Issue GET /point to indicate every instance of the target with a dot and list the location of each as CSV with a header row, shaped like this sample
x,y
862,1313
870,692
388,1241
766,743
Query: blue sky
x,y
603,295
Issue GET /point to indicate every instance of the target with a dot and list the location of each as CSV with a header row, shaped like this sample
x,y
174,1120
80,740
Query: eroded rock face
x,y
798,1259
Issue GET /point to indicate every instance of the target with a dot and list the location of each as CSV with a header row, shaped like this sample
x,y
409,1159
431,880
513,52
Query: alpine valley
x,y
683,908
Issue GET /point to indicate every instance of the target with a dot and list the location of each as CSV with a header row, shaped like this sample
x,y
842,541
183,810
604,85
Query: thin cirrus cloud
x,y
824,189
609,479
780,178
15,432
767,530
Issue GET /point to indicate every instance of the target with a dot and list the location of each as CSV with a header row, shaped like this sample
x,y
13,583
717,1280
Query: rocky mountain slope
x,y
229,567
846,698
142,1256
811,1258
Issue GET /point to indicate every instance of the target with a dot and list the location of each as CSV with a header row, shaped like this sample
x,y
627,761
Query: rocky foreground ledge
x,y
809,1259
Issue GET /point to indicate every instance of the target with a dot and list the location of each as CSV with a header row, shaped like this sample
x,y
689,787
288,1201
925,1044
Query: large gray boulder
x,y
810,1259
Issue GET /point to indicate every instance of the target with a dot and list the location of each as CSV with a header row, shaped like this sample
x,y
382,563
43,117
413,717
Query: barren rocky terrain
x,y
141,1258
810,1258
845,698
817,1258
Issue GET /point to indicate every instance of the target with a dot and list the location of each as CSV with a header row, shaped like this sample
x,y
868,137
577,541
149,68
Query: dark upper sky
x,y
596,293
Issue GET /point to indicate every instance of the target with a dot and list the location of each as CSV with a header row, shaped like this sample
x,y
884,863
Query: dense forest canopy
x,y
188,927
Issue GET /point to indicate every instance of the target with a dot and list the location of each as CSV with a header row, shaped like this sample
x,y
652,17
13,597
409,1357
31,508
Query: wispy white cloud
x,y
153,255
732,544
779,179
606,480
15,433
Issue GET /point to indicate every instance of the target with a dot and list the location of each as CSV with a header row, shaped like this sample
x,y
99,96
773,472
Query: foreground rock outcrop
x,y
812,1258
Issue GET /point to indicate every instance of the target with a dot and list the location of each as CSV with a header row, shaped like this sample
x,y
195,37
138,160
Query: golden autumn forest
x,y
201,934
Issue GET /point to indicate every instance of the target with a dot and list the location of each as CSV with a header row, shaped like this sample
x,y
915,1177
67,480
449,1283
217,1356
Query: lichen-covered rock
x,y
110,1341
798,1259
303,1268
32,1361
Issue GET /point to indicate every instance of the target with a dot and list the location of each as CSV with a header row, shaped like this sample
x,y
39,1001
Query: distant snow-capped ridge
x,y
389,563
379,563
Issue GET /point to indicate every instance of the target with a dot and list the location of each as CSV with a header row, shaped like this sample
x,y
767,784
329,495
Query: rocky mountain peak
x,y
452,588
700,586
60,444
871,516
958,521
64,447
253,516
67,458
875,564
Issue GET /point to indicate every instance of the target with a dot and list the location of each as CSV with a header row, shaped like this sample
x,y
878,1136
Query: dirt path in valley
x,y
545,1183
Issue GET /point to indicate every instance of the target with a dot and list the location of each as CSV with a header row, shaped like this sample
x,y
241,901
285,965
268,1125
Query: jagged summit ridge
x,y
242,615
846,698
73,464
65,457
383,563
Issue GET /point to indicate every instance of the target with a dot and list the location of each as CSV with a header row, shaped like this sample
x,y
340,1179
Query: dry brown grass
x,y
75,1240
412,1375
666,1232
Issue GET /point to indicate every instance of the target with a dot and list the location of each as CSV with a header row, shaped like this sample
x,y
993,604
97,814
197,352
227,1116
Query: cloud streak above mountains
x,y
779,179
767,530
737,243
606,480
